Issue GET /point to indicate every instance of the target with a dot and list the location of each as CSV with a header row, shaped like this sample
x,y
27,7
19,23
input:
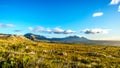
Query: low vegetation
x,y
27,54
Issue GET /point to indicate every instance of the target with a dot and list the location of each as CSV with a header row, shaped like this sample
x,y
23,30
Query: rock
x,y
110,57
94,64
88,66
32,52
44,51
26,47
64,53
96,54
92,53
53,51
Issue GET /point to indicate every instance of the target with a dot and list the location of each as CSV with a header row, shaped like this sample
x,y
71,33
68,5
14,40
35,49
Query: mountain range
x,y
70,39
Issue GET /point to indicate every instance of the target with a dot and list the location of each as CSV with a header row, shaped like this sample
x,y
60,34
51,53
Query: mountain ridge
x,y
30,37
39,37
72,39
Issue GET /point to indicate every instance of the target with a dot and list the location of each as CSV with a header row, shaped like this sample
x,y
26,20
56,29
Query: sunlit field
x,y
20,52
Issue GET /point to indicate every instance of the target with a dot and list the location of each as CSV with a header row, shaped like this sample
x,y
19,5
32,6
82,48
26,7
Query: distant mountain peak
x,y
73,36
29,34
76,37
34,37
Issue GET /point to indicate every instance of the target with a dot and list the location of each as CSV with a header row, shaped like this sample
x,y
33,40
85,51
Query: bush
x,y
74,58
85,61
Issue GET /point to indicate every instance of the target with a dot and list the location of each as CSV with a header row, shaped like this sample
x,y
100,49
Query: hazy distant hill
x,y
69,39
29,37
72,39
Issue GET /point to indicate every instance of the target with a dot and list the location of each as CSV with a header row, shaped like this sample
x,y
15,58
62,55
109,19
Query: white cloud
x,y
97,14
6,25
48,30
38,29
95,31
114,2
119,8
58,30
68,32
30,28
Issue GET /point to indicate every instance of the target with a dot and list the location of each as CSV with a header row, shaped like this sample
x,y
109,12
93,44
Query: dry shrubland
x,y
21,53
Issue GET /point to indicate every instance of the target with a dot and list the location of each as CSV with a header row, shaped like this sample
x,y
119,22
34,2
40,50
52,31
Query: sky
x,y
93,19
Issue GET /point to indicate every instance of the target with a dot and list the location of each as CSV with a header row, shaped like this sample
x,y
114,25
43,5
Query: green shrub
x,y
85,61
74,58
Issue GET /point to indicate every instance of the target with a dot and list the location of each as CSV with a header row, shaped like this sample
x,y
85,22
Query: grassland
x,y
27,54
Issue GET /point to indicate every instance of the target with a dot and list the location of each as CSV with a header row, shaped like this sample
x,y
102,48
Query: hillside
x,y
9,38
34,37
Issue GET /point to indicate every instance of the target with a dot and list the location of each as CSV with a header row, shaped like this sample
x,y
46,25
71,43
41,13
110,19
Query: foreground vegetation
x,y
19,53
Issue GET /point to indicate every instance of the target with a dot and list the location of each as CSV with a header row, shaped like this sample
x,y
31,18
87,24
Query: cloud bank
x,y
6,25
95,31
56,30
97,14
61,31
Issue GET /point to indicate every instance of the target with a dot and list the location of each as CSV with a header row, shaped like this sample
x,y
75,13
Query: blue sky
x,y
94,19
